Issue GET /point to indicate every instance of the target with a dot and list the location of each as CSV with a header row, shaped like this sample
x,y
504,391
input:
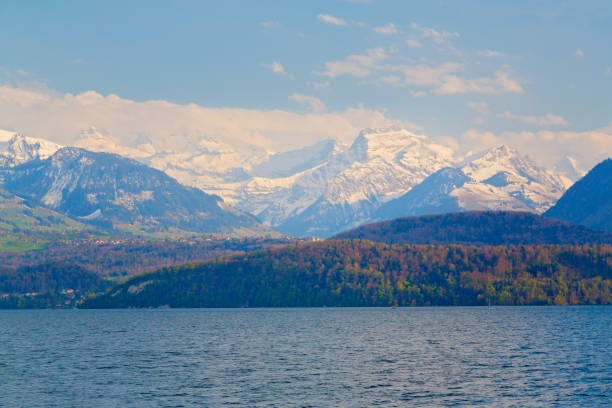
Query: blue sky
x,y
449,67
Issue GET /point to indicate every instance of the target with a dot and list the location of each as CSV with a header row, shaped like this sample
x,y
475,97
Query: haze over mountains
x,y
328,187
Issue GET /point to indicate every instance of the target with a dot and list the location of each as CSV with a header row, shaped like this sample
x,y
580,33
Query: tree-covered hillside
x,y
47,285
362,273
478,228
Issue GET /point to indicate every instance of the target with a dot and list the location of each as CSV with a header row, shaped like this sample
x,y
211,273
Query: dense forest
x,y
47,285
362,273
478,228
63,272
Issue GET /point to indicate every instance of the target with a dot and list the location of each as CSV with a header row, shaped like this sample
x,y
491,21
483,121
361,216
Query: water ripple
x,y
532,357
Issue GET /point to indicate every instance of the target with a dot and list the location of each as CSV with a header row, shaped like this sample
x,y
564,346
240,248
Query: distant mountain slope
x,y
431,196
24,227
361,273
344,190
328,187
118,193
497,179
17,149
477,228
589,201
15,214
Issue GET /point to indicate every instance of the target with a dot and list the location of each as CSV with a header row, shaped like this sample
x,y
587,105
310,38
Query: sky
x,y
281,74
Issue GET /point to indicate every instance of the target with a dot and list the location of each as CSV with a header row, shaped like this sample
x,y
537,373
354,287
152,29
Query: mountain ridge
x,y
478,228
114,192
589,201
325,188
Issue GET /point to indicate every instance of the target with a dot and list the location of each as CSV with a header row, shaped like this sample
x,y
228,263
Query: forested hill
x,y
478,228
47,285
362,273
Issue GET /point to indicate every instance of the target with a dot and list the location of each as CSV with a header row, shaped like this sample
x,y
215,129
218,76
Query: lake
x,y
347,357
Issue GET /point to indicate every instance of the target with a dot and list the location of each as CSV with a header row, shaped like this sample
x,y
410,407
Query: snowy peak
x,y
396,145
94,140
503,179
569,167
506,162
16,149
499,179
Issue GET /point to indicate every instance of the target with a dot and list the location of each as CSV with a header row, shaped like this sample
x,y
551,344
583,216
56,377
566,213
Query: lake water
x,y
500,356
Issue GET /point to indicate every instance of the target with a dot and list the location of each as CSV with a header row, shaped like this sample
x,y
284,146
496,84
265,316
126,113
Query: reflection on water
x,y
529,356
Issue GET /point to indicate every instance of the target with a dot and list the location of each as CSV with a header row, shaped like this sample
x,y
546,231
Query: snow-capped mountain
x,y
569,169
496,179
206,163
16,148
114,192
344,191
328,187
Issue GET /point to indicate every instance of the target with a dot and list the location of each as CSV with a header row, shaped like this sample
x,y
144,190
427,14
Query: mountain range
x,y
318,190
116,193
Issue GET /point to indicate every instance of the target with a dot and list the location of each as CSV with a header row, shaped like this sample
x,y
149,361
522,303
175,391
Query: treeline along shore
x,y
363,273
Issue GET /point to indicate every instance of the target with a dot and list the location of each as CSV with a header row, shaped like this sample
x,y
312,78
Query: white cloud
x,y
442,79
480,107
578,53
44,113
424,75
326,18
418,94
386,29
438,37
314,103
358,65
277,68
501,82
489,53
413,43
546,120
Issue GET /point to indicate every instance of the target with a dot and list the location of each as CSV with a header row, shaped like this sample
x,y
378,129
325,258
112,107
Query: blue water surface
x,y
353,357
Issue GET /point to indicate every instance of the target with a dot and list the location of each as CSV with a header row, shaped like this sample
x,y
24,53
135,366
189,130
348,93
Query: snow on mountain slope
x,y
496,179
289,163
327,187
569,169
206,163
95,141
16,148
115,192
503,179
380,164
